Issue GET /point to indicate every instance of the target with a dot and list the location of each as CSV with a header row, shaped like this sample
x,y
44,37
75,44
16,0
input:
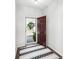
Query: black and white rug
x,y
36,51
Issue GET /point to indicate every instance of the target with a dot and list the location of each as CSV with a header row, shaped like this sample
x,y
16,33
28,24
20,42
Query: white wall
x,y
21,13
55,26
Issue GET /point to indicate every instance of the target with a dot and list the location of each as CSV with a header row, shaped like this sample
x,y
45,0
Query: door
x,y
41,27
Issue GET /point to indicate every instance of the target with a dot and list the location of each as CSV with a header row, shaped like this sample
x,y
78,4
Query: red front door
x,y
41,26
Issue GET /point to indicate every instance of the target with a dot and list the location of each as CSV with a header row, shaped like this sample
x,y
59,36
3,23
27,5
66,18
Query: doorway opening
x,y
30,30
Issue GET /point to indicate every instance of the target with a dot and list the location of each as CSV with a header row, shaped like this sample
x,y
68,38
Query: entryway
x,y
35,30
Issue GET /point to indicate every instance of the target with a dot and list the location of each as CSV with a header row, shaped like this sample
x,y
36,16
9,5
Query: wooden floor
x,y
36,51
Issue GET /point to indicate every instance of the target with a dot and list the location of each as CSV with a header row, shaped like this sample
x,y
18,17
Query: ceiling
x,y
41,4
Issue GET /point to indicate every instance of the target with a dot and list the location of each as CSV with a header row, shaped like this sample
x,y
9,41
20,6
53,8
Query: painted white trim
x,y
36,31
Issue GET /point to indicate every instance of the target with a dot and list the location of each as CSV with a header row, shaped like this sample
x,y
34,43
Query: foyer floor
x,y
36,51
